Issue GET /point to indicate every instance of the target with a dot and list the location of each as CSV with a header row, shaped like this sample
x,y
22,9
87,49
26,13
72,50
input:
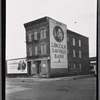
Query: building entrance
x,y
39,67
29,68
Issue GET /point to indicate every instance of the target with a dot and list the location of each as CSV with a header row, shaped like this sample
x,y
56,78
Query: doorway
x,y
29,68
39,67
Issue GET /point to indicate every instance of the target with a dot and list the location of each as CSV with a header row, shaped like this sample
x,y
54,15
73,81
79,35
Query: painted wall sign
x,y
58,44
16,66
58,34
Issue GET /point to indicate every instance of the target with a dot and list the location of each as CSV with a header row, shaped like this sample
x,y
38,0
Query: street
x,y
79,89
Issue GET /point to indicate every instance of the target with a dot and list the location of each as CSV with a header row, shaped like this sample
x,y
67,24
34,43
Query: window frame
x,y
80,54
74,42
30,51
44,48
80,67
35,33
29,36
74,53
43,34
80,43
36,50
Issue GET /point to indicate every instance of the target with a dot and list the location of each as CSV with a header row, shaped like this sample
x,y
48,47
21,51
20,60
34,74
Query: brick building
x,y
78,53
47,45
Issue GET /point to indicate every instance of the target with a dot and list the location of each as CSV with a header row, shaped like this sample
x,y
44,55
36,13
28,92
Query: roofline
x,y
16,59
37,20
77,33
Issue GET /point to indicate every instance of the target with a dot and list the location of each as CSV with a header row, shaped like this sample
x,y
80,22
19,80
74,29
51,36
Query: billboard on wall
x,y
18,66
58,44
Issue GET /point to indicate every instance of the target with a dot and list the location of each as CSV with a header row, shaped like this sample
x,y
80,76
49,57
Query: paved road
x,y
79,89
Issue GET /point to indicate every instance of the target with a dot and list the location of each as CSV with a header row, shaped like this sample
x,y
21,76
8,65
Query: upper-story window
x,y
36,50
80,54
80,66
43,49
74,53
73,41
67,38
30,51
79,43
43,33
29,37
35,35
68,51
74,65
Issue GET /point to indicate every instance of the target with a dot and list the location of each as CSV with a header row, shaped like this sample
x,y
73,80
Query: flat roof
x,y
76,33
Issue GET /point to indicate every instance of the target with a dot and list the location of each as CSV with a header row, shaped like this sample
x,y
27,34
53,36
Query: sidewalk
x,y
46,79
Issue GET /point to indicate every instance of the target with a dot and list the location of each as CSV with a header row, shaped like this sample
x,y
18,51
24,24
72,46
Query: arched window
x,y
29,37
43,33
35,35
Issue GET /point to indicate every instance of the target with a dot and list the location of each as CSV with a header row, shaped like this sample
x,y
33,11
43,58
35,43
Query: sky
x,y
79,15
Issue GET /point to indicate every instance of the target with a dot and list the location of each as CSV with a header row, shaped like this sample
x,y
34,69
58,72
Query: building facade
x,y
46,47
53,51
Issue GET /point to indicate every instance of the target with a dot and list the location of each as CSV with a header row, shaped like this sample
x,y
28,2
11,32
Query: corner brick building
x,y
53,51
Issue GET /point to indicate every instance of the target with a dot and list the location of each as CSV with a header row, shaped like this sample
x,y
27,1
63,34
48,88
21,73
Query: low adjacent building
x,y
93,65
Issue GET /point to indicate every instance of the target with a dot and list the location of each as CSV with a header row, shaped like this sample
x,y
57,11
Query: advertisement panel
x,y
58,44
18,66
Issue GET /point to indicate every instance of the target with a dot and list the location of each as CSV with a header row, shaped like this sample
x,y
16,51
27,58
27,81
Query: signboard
x,y
58,44
16,66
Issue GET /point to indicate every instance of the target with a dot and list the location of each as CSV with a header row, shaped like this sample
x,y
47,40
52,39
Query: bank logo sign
x,y
58,34
58,44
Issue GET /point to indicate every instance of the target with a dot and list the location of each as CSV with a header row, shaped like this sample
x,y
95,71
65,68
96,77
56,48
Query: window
x,y
74,65
43,33
73,41
68,51
80,55
80,66
36,50
30,51
29,37
67,38
35,35
74,53
79,43
43,49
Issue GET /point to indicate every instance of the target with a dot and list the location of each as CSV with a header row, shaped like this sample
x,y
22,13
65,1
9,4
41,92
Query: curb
x,y
47,80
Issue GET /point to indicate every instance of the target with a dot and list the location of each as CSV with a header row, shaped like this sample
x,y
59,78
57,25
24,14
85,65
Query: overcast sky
x,y
78,15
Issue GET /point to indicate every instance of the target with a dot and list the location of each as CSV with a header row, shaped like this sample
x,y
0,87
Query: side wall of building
x,y
81,64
